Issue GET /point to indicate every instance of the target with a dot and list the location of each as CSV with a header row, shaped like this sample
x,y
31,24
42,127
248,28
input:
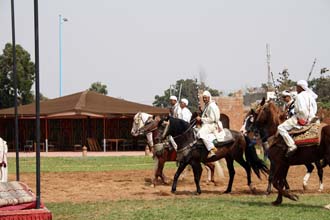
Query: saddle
x,y
308,135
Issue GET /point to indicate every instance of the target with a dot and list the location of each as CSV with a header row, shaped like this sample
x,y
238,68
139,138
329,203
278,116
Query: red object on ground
x,y
28,214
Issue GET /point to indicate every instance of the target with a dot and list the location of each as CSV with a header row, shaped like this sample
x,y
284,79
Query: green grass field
x,y
195,207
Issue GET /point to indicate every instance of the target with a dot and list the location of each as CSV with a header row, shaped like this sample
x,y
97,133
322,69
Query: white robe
x,y
3,159
305,106
184,114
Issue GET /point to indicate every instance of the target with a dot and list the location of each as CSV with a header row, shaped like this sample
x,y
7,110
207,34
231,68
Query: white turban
x,y
286,93
207,93
303,84
173,97
185,101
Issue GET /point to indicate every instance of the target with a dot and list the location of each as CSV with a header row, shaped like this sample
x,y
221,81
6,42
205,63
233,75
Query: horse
x,y
190,151
162,152
268,118
249,127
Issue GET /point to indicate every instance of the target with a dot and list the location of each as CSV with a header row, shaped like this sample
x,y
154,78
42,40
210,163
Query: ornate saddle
x,y
307,135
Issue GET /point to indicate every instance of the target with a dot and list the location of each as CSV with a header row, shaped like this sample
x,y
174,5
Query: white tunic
x,y
3,161
210,119
184,114
174,111
305,106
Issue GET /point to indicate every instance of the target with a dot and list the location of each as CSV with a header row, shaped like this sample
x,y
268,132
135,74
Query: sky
x,y
138,48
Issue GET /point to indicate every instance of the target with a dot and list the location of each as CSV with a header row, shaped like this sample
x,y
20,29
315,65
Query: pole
x,y
15,87
60,51
37,86
310,72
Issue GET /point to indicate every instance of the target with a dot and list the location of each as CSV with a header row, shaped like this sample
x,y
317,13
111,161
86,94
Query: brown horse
x,y
268,118
193,153
162,151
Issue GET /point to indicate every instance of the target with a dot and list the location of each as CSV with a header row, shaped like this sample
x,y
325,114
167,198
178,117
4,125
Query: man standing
x,y
184,112
210,119
174,106
305,110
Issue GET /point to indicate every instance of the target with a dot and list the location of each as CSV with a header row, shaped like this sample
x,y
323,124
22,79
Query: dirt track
x,y
99,186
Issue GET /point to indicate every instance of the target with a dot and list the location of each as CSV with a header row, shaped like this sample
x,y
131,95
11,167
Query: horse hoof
x,y
198,193
276,203
173,191
294,197
227,191
152,185
305,187
268,193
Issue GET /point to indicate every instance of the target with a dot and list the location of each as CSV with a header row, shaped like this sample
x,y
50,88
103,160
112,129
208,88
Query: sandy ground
x,y
125,185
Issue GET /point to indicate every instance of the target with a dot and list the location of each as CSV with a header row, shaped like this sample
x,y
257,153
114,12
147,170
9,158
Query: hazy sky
x,y
139,47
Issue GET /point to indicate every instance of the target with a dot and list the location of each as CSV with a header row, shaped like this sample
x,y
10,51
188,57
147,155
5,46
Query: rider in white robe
x,y
305,111
210,122
3,161
184,113
174,109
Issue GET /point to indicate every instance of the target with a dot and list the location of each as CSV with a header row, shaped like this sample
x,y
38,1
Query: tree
x,y
25,76
285,83
321,86
98,87
189,90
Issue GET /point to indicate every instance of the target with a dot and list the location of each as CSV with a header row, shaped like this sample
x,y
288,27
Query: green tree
x,y
99,87
321,86
189,90
25,76
285,83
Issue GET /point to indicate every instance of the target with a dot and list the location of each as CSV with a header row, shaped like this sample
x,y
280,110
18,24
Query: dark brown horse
x,y
269,117
193,153
249,128
162,151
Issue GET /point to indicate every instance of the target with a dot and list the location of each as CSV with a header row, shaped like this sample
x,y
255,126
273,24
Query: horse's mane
x,y
178,126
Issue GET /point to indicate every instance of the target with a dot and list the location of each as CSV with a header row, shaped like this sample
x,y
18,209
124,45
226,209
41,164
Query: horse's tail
x,y
255,162
218,169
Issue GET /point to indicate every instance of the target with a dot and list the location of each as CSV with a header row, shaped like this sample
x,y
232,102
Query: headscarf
x,y
286,93
173,97
185,101
207,93
303,84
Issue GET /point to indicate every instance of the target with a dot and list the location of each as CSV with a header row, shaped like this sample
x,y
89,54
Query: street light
x,y
61,21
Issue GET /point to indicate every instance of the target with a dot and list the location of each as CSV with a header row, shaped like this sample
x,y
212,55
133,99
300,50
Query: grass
x,y
88,164
222,207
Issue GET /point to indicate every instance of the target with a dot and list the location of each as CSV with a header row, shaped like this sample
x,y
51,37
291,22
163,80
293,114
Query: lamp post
x,y
60,21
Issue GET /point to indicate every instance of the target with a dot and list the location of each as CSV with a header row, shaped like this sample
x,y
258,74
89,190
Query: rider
x,y
210,122
289,104
305,110
184,112
174,106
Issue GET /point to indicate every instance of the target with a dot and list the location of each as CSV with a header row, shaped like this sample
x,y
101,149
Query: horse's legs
x,y
320,174
231,171
247,168
210,172
159,170
181,167
197,169
310,169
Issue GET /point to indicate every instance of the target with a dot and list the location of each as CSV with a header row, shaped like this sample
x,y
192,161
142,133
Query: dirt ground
x,y
126,185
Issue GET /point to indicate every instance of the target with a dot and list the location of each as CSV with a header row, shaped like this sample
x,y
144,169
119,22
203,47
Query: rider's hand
x,y
198,118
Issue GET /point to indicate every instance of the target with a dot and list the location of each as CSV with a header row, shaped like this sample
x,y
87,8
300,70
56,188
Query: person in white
x,y
174,106
184,113
305,110
210,122
3,161
289,103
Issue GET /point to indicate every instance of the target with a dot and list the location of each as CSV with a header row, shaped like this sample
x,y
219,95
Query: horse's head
x,y
268,117
248,123
139,121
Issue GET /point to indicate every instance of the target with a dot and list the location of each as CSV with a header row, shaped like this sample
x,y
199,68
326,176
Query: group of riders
x,y
300,109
